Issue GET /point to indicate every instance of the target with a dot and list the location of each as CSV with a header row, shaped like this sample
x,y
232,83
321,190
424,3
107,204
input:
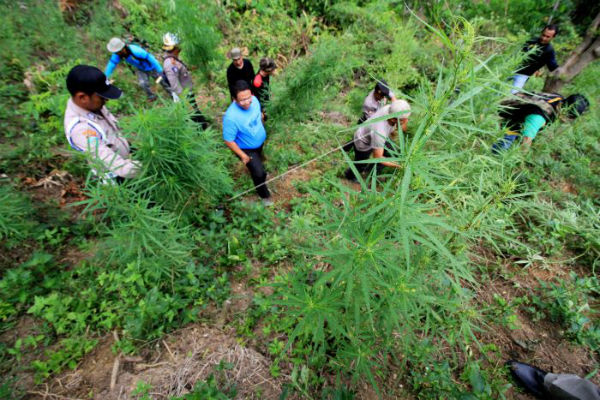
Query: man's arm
x,y
239,152
552,64
154,62
113,61
378,153
87,139
230,81
143,54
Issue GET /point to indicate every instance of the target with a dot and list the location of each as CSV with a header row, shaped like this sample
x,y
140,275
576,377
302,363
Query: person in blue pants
x,y
145,64
527,114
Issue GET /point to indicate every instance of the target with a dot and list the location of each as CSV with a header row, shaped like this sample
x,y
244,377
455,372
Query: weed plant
x,y
196,23
394,275
312,80
180,167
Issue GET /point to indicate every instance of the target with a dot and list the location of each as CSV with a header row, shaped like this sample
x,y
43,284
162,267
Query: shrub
x,y
196,23
181,165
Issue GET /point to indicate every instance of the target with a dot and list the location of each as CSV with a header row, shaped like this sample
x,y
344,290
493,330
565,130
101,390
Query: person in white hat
x,y
145,64
179,76
370,140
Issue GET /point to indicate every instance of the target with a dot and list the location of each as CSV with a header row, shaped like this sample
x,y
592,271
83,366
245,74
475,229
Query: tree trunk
x,y
587,52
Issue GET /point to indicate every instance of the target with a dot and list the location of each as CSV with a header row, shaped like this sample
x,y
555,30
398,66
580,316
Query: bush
x,y
309,82
181,167
196,23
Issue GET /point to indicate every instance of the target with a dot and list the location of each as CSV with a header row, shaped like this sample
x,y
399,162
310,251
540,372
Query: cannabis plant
x,y
181,164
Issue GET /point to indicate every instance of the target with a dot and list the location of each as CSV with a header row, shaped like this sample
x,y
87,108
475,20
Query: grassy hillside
x,y
419,282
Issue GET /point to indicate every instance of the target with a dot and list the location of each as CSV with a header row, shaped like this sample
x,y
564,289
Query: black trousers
x,y
197,117
350,145
257,171
365,155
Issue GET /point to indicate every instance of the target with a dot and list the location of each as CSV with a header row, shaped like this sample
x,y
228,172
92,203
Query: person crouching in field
x,y
90,128
376,99
245,134
527,114
370,140
145,64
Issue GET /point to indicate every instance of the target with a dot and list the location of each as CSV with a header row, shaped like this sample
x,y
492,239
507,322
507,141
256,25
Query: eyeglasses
x,y
244,101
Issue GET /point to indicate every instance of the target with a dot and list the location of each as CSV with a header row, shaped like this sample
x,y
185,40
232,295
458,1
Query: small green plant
x,y
67,355
208,389
569,302
15,213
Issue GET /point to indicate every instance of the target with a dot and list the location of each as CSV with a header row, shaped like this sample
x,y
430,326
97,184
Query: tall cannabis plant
x,y
196,23
393,274
181,166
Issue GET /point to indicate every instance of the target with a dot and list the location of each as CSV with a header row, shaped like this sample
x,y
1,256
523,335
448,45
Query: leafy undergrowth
x,y
417,282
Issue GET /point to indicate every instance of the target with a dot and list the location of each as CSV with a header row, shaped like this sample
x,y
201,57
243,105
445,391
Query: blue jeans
x,y
504,143
518,82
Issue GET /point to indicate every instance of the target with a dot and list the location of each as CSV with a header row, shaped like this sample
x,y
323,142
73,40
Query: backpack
x,y
515,109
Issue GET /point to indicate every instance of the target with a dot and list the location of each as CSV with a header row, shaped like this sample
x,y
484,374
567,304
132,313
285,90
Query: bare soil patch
x,y
171,366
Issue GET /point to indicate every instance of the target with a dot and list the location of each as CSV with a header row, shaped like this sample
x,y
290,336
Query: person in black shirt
x,y
240,69
262,80
543,54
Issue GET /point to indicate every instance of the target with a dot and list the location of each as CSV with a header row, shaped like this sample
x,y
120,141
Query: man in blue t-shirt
x,y
244,133
145,64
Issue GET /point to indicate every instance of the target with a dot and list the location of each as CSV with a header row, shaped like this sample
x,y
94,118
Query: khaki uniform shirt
x,y
177,73
374,136
99,135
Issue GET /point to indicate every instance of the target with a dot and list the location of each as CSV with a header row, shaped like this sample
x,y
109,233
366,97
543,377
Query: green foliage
x,y
209,389
196,24
20,284
366,284
180,167
570,303
15,213
312,80
69,351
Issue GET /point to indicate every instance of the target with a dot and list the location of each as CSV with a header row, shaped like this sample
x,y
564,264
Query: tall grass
x,y
15,211
310,81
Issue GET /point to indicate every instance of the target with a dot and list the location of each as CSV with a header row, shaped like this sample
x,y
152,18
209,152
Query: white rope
x,y
291,170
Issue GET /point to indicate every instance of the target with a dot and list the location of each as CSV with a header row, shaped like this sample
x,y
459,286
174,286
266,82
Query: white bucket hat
x,y
399,106
170,40
115,45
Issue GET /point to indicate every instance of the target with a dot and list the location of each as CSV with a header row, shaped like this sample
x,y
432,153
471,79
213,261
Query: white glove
x,y
175,97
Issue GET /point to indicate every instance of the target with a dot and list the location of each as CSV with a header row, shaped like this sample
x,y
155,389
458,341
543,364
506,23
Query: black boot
x,y
528,377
